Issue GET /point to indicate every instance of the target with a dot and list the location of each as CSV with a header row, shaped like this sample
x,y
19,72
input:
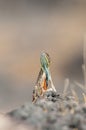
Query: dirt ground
x,y
51,112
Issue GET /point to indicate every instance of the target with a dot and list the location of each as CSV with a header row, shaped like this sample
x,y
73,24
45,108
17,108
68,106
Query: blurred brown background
x,y
29,27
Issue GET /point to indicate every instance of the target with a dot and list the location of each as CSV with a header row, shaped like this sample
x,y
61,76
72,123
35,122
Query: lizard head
x,y
45,60
45,63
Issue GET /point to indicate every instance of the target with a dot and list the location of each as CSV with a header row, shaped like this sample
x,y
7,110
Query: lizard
x,y
44,77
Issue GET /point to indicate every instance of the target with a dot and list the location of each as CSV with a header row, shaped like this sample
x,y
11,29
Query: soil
x,y
52,112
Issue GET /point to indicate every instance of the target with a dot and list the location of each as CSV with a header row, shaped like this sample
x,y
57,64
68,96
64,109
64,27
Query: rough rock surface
x,y
52,112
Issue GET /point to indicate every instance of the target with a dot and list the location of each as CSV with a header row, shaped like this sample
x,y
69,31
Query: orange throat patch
x,y
44,85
